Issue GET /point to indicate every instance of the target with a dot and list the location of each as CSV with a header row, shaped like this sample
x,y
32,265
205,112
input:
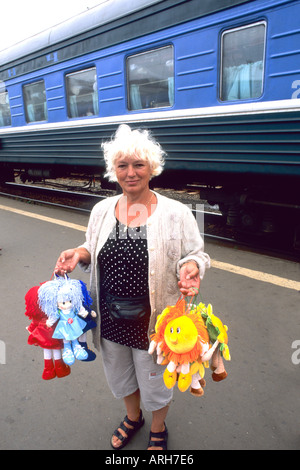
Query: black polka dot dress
x,y
123,264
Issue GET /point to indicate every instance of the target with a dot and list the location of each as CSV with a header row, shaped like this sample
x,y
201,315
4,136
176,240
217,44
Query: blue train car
x,y
218,83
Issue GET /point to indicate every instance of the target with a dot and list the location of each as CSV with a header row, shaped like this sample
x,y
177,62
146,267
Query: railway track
x,y
75,200
82,198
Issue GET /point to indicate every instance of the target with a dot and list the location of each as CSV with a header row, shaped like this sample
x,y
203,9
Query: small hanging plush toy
x,y
90,321
182,339
62,301
218,336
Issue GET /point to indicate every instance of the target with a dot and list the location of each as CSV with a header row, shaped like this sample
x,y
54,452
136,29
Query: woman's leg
x,y
155,396
158,424
132,404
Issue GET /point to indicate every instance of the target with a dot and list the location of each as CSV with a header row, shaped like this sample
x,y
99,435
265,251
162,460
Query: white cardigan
x,y
173,239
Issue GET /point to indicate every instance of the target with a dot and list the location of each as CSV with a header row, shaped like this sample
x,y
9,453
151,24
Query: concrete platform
x,y
256,407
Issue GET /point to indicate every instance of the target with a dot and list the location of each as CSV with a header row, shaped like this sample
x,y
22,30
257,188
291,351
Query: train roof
x,y
101,14
111,11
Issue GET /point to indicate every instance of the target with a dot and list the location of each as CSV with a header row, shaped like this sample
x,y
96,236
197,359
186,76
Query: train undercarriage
x,y
260,206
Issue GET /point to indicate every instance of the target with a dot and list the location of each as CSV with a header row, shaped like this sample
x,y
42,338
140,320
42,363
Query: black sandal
x,y
159,435
136,425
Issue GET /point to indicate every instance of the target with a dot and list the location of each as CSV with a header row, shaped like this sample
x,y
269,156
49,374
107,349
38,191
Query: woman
x,y
142,249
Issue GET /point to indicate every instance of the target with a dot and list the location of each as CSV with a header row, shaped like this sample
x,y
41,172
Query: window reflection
x,y
151,79
35,102
243,63
5,116
82,93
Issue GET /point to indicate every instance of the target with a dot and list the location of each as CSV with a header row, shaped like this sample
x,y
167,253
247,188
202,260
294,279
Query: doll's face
x,y
66,305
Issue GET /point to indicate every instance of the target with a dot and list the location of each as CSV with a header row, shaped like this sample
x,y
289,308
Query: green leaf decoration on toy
x,y
216,329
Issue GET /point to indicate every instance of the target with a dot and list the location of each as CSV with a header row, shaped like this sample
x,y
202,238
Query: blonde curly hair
x,y
133,142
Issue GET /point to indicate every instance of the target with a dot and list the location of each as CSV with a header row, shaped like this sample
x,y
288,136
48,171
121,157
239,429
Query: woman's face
x,y
133,174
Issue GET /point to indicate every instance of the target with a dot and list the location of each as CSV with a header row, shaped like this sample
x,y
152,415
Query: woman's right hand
x,y
67,262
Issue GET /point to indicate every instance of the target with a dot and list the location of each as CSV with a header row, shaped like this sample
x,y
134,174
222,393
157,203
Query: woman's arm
x,y
69,259
189,283
194,261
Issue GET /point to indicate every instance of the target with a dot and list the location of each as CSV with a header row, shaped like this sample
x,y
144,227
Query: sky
x,y
20,19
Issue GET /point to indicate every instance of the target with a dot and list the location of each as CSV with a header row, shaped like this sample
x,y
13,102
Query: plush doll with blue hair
x,y
61,299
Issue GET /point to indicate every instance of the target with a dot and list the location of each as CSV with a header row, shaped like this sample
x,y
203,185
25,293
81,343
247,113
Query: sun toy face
x,y
181,335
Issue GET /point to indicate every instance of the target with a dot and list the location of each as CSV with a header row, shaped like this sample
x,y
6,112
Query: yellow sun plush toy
x,y
182,339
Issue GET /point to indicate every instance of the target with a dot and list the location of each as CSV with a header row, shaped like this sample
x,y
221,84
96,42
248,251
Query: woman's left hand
x,y
189,283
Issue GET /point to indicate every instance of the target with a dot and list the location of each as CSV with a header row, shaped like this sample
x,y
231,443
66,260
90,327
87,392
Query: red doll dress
x,y
40,333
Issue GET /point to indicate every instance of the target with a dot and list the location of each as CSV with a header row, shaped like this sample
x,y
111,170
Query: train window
x,y
150,78
35,102
82,93
242,58
5,116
